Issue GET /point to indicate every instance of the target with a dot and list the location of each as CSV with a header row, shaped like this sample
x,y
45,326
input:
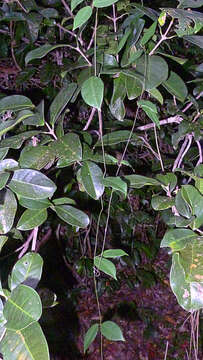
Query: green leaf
x,y
195,39
117,137
64,200
72,216
138,181
162,202
195,201
3,240
32,184
10,124
111,331
118,109
16,141
177,239
119,89
22,308
68,149
4,176
8,164
116,183
28,344
169,181
150,70
133,87
148,33
34,204
190,3
41,51
27,270
176,86
90,336
179,60
36,157
150,109
106,266
92,179
8,207
75,3
155,93
82,17
192,262
182,206
189,295
114,253
31,218
93,91
60,101
103,3
15,103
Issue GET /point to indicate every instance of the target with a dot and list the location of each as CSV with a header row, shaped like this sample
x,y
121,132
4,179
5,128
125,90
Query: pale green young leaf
x,y
75,3
103,3
111,331
114,253
150,109
106,266
90,336
116,183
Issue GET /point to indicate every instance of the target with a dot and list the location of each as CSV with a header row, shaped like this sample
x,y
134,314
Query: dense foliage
x,y
104,111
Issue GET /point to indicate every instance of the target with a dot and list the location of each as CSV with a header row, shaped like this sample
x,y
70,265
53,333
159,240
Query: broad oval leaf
x,y
72,216
82,16
103,3
8,164
31,218
16,141
32,184
8,207
93,91
150,109
138,181
15,103
6,126
75,3
41,51
28,343
116,137
27,270
106,266
162,202
90,336
177,239
22,308
92,179
34,204
68,149
111,331
116,183
4,176
176,86
36,157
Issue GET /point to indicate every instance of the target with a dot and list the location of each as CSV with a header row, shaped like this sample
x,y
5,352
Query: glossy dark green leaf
x,y
82,17
133,87
118,109
90,336
195,39
27,271
111,331
116,137
119,90
93,91
68,149
162,202
60,101
138,181
15,103
8,207
148,33
3,240
106,266
41,51
72,216
31,218
116,183
63,201
26,343
32,184
16,141
177,239
155,93
92,179
168,180
22,308
176,86
36,157
38,118
182,206
34,204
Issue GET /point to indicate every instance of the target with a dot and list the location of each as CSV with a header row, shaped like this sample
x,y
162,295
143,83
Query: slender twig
x,y
34,238
174,119
22,7
176,162
186,149
200,161
166,351
188,106
163,38
25,246
67,8
158,150
44,240
51,131
66,30
114,19
90,119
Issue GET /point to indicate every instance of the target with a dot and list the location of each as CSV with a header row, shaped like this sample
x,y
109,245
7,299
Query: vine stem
x,y
163,38
158,150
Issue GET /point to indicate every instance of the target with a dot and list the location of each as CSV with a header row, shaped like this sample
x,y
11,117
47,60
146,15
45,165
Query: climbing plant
x,y
129,67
